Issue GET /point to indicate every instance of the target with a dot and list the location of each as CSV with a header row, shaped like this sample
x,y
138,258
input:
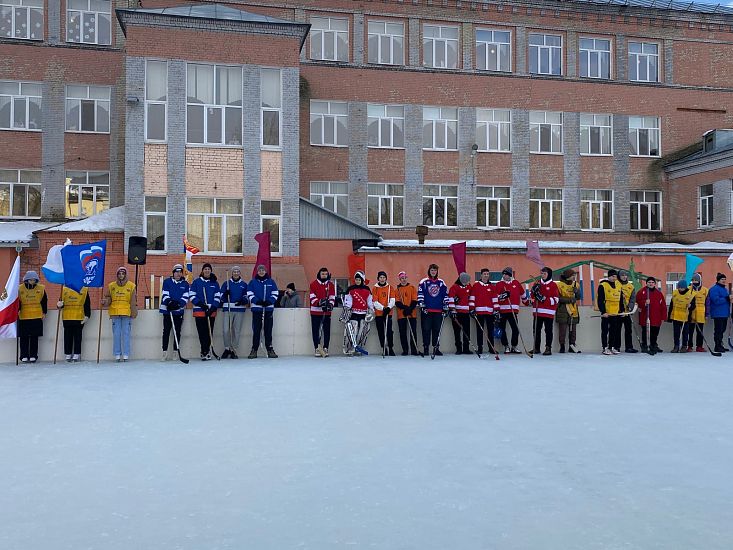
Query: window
x,y
20,106
329,39
545,132
89,21
20,193
87,193
214,105
545,208
646,210
333,195
595,58
440,47
706,205
643,62
440,128
156,97
214,225
386,43
545,54
493,206
596,209
341,284
386,126
440,205
271,221
644,136
671,281
493,130
595,134
330,123
493,50
21,19
87,109
155,222
271,93
385,201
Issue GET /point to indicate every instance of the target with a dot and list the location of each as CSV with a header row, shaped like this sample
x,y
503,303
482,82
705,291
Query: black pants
x,y
512,320
177,321
720,324
626,322
680,328
462,337
203,332
257,328
72,337
547,323
487,322
28,347
696,332
653,334
406,339
380,322
610,332
316,329
431,322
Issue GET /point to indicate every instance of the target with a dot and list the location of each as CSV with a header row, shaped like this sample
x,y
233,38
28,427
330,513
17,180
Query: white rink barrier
x,y
291,336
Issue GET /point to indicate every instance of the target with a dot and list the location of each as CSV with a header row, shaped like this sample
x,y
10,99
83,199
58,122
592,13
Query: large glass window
x,y
156,100
87,109
545,132
214,225
643,62
493,206
440,128
20,193
333,195
386,43
385,204
440,47
330,123
87,193
271,92
644,136
545,208
706,205
329,39
493,130
271,220
440,205
646,210
595,134
386,125
545,54
89,21
596,209
155,222
21,19
214,105
595,57
20,105
493,50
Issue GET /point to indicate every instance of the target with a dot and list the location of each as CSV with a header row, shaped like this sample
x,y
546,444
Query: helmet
x,y
498,333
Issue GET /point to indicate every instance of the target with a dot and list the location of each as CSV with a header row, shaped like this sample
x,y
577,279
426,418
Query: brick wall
x,y
271,175
214,172
155,180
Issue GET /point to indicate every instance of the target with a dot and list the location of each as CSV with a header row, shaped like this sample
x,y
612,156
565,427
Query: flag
x,y
730,262
9,303
691,264
263,252
53,269
357,263
459,256
188,252
84,265
634,276
533,253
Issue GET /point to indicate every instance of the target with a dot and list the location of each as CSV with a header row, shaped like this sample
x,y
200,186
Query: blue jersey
x,y
204,291
262,290
232,292
432,293
174,290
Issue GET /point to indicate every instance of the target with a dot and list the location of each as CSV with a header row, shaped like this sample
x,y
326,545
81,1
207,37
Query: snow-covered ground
x,y
568,452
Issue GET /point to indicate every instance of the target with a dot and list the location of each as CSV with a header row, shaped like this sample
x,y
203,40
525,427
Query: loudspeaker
x,y
137,250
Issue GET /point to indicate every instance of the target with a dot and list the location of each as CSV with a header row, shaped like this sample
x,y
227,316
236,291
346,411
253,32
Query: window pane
x,y
5,112
273,226
342,131
200,83
87,116
195,230
35,114
200,206
102,116
270,208
34,200
72,114
19,200
271,92
155,232
215,237
102,202
195,124
5,200
385,211
156,121
271,128
156,81
228,206
234,234
213,125
373,211
155,204
104,30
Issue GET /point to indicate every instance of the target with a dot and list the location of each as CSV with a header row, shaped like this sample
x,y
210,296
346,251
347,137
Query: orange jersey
x,y
383,296
407,295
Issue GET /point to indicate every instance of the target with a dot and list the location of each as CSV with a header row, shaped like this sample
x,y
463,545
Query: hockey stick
x,y
486,336
352,336
440,331
713,353
175,338
649,349
208,325
470,344
320,349
229,314
521,338
730,324
409,326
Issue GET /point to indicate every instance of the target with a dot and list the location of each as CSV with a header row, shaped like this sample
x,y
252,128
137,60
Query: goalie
x,y
358,313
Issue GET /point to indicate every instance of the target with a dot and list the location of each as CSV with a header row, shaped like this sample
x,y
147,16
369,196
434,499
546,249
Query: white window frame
x,y
206,106
267,109
543,125
394,121
487,126
279,218
440,120
551,202
639,59
205,246
391,37
319,198
388,194
586,141
25,98
97,187
440,197
706,209
333,118
484,200
484,47
87,18
329,33
149,102
437,42
635,138
597,201
33,8
589,53
18,183
72,88
154,213
648,204
539,49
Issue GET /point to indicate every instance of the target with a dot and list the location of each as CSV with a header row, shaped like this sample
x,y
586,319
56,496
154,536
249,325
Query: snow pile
x,y
12,232
549,245
111,221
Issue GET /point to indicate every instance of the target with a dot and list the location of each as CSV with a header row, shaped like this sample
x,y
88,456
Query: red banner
x,y
357,263
459,256
263,252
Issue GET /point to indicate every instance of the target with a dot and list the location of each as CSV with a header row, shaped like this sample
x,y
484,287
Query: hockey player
x,y
358,313
173,302
702,310
629,301
121,297
609,302
567,312
459,304
406,304
719,310
384,298
262,293
432,297
322,300
510,295
544,304
77,309
681,309
234,305
32,312
485,310
205,295
651,302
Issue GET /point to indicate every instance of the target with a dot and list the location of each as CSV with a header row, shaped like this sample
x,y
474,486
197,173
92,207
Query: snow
x,y
552,453
12,232
112,220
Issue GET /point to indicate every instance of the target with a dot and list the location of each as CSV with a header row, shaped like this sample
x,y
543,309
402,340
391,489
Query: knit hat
x,y
261,266
696,278
651,279
121,268
567,273
465,278
360,275
30,275
207,264
380,274
719,276
291,286
682,285
612,273
236,268
177,267
507,271
401,274
623,272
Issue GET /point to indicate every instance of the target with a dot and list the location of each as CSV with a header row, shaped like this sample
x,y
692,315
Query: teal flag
x,y
691,264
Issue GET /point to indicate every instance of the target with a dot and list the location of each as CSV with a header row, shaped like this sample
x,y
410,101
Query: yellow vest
x,y
627,288
698,316
568,291
30,302
121,298
612,294
680,303
73,304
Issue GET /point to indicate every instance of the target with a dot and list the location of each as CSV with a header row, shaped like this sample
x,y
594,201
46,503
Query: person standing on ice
x,y
568,316
681,308
32,311
75,308
432,297
384,299
459,304
121,297
358,313
485,310
262,293
610,304
702,310
719,310
510,295
650,299
628,296
205,295
544,297
406,304
322,300
234,305
173,302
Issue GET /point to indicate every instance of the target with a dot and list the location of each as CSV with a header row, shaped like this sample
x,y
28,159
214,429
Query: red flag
x,y
263,252
357,263
459,256
533,253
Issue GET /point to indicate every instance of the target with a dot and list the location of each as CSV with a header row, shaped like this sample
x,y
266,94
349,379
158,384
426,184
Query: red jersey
x,y
321,290
484,299
459,298
359,299
552,298
657,307
516,295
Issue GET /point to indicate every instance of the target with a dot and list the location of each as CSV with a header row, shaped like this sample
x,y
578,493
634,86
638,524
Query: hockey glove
x,y
322,303
260,302
328,307
60,304
504,295
387,310
452,313
200,305
497,317
423,309
400,305
173,304
408,311
473,314
540,297
240,303
266,303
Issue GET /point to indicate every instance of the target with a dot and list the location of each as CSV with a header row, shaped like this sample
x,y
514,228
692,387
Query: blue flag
x,y
84,264
691,264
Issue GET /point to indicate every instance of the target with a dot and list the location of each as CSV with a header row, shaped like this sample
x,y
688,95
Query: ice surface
x,y
561,453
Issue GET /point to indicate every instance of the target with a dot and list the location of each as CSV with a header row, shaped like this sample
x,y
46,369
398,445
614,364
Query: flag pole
x,y
18,248
99,332
58,322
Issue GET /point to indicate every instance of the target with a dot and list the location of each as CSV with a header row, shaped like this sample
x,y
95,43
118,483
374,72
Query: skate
x,y
164,356
75,359
206,356
271,354
413,352
234,355
226,354
458,351
508,350
175,355
656,349
252,354
326,350
318,353
68,358
24,360
615,351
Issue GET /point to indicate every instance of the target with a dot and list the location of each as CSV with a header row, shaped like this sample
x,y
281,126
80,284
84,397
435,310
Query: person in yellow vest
x,y
567,316
702,307
681,309
32,312
76,311
121,297
629,300
610,305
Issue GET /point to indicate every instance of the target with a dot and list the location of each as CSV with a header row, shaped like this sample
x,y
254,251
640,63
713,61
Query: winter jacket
x,y
516,295
629,295
719,301
549,306
232,292
432,293
32,301
322,290
359,299
657,307
609,299
702,307
121,297
681,305
406,301
383,296
569,295
484,299
174,290
202,292
291,301
262,289
459,298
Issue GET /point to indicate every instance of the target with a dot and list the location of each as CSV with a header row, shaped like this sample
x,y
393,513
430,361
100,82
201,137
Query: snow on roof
x,y
12,232
112,221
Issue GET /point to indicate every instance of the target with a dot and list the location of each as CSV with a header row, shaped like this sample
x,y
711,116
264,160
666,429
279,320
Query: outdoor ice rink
x,y
561,453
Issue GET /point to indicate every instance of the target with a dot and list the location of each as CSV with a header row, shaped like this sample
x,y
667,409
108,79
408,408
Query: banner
x,y
533,253
263,253
459,256
53,269
357,263
9,303
84,265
